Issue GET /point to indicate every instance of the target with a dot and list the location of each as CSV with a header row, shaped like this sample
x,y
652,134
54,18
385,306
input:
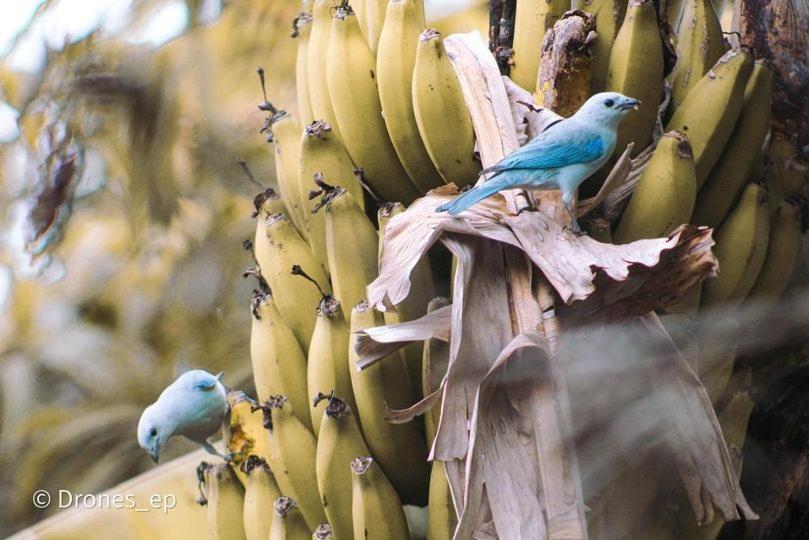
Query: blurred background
x,y
123,211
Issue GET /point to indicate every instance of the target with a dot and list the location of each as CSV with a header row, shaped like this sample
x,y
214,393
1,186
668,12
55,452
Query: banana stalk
x,y
636,70
225,502
302,30
317,63
288,522
665,194
377,510
742,153
355,101
339,442
709,112
782,255
260,494
396,58
531,20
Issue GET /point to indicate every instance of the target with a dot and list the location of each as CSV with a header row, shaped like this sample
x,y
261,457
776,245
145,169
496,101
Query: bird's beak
x,y
155,453
630,104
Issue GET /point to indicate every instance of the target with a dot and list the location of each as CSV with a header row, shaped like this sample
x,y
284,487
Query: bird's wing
x,y
205,384
558,147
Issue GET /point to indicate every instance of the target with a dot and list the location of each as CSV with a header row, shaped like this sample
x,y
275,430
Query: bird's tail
x,y
471,197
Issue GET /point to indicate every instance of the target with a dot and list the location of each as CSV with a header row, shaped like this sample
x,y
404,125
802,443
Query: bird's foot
x,y
229,457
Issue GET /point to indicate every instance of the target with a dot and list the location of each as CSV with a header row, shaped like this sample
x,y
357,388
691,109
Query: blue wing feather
x,y
205,384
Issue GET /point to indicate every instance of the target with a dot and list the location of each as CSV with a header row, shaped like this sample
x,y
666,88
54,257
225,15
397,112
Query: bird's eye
x,y
609,103
153,432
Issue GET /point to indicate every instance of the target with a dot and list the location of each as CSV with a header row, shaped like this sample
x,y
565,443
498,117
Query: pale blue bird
x,y
194,406
561,157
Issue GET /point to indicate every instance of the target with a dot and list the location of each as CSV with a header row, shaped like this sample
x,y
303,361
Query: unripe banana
x,y
328,369
339,442
351,246
715,365
674,13
441,510
324,156
316,64
286,135
278,248
435,359
396,58
225,502
636,69
279,363
245,435
531,20
761,240
665,194
782,255
775,193
709,112
399,448
292,461
441,114
355,100
790,169
699,46
735,246
260,493
377,511
608,15
742,152
288,522
724,10
302,30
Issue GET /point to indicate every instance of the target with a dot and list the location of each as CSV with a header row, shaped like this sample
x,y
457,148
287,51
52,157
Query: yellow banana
x,y
279,363
302,29
742,153
288,522
245,433
531,20
724,10
339,442
441,510
761,239
225,502
355,99
665,194
441,114
636,70
608,15
328,369
324,156
316,64
434,366
399,448
735,247
278,248
292,451
782,255
351,246
260,493
395,60
286,135
699,46
377,510
372,20
709,112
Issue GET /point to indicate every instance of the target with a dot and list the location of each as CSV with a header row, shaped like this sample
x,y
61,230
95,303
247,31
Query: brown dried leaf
x,y
402,416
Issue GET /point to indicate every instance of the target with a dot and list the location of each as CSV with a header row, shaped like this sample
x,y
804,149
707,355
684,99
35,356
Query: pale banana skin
x,y
279,363
316,63
710,110
532,19
665,194
293,450
277,249
355,100
372,20
351,247
339,442
260,493
700,44
303,26
377,511
328,369
399,448
441,510
735,244
741,154
441,114
782,256
636,69
286,131
288,522
608,14
225,502
396,58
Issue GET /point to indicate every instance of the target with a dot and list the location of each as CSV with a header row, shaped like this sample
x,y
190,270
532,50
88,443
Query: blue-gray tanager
x,y
561,157
194,406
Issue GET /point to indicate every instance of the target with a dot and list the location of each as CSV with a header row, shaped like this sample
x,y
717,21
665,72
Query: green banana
x,y
395,60
709,112
532,19
664,196
339,442
441,114
288,522
742,152
441,510
699,46
608,15
782,255
761,239
351,75
376,509
260,494
399,448
790,168
636,70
